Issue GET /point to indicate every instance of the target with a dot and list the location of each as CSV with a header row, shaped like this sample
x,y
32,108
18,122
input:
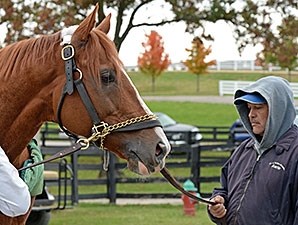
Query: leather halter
x,y
100,129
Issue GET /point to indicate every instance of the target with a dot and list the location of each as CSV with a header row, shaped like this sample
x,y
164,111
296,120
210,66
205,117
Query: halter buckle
x,y
71,52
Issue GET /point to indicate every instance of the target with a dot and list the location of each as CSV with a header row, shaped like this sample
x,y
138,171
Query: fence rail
x,y
228,87
193,159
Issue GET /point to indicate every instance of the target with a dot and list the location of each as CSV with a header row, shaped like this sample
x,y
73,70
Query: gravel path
x,y
205,99
138,201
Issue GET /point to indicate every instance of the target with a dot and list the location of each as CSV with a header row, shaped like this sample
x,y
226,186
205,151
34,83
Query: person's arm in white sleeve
x,y
15,198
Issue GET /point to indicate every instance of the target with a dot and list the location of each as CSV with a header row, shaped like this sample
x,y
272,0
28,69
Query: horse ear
x,y
104,26
82,32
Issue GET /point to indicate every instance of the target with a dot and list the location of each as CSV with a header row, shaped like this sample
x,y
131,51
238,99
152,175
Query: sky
x,y
175,39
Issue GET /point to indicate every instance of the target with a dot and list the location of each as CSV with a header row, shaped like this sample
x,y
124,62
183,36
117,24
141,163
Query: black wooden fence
x,y
69,181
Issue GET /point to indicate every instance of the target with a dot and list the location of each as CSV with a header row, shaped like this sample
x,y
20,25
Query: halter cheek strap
x,y
87,101
67,55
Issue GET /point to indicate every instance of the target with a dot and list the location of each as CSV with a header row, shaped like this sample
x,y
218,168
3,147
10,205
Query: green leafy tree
x,y
153,61
196,62
257,20
282,49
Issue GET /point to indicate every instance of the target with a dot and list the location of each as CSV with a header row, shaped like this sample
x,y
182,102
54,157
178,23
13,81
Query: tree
x,y
25,18
196,59
258,20
282,49
154,60
253,19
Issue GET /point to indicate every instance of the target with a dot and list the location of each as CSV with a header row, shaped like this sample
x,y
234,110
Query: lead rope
x,y
84,145
166,174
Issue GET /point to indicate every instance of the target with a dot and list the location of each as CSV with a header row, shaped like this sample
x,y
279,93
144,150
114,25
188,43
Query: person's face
x,y
258,114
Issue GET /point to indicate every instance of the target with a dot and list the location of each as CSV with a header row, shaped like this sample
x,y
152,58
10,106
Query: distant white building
x,y
236,65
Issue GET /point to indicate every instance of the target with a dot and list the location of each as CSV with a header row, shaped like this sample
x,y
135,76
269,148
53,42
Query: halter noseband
x,y
100,129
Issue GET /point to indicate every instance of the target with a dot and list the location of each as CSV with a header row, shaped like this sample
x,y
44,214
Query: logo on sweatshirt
x,y
277,166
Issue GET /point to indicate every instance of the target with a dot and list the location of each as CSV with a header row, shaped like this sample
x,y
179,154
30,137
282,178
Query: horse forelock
x,y
100,41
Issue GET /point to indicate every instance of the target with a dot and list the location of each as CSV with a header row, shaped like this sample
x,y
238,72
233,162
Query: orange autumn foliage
x,y
196,59
154,60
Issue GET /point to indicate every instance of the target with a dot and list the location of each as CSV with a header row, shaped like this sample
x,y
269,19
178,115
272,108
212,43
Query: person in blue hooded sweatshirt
x,y
260,180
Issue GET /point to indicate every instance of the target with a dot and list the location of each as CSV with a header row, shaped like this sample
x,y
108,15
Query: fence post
x,y
221,92
75,182
111,179
195,166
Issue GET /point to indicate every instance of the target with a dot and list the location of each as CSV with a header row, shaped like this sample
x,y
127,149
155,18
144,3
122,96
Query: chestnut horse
x,y
85,88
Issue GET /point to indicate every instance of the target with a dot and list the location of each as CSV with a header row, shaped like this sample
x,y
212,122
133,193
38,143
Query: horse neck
x,y
26,102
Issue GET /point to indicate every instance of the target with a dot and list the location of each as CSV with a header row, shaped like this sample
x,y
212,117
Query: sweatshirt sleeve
x,y
223,192
295,194
15,198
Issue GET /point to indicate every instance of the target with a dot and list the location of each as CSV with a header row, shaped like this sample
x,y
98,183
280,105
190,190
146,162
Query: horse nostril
x,y
161,150
158,151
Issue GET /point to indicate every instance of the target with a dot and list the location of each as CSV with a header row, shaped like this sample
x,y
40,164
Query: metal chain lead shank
x,y
102,130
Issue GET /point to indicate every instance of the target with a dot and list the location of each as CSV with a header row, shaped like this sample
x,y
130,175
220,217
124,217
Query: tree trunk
x,y
198,83
289,75
153,83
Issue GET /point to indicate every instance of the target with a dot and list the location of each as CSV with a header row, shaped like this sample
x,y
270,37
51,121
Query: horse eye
x,y
107,76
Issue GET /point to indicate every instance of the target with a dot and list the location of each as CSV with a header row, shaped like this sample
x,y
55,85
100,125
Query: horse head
x,y
100,101
75,77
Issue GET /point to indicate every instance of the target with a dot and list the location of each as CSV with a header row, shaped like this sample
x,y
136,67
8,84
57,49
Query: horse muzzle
x,y
144,163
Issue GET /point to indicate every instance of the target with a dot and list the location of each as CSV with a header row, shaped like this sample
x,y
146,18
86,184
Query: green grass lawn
x,y
104,214
200,114
185,83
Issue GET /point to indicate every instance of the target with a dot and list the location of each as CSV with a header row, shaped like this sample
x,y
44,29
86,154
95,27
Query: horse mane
x,y
33,51
26,52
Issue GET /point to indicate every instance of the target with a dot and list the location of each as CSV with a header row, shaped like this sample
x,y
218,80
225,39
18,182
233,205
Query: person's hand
x,y
33,177
218,210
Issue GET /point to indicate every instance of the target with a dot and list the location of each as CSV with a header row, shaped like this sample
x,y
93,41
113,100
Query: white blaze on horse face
x,y
158,130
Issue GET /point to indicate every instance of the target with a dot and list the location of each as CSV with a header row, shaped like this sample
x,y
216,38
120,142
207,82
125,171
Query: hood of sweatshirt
x,y
279,97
